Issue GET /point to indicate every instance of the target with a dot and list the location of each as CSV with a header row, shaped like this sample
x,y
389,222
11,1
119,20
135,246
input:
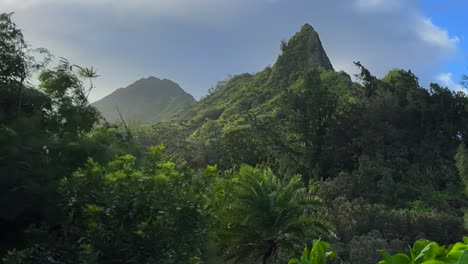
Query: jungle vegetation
x,y
297,163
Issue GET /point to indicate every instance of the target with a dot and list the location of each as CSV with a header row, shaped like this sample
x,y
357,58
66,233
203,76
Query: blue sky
x,y
452,15
199,42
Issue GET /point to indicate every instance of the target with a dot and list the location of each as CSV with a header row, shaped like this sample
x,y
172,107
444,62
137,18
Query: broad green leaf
x,y
388,259
449,260
304,255
401,259
434,261
418,246
318,253
463,258
458,247
331,254
427,253
294,261
457,250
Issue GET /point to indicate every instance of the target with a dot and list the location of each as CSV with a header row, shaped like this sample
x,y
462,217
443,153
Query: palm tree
x,y
266,217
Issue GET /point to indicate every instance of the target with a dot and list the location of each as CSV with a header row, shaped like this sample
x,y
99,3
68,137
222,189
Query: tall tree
x,y
309,105
461,159
266,217
43,133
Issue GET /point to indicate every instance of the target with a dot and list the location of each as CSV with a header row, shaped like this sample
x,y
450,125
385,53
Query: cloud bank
x,y
181,9
446,80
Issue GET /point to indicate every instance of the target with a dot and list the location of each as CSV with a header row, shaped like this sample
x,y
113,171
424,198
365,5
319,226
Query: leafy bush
x,y
428,252
122,213
318,254
261,217
362,249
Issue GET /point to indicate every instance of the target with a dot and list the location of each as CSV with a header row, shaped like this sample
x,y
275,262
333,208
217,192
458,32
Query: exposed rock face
x,y
302,51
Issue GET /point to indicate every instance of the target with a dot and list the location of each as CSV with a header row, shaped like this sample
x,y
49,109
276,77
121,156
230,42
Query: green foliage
x,y
262,218
121,213
166,216
461,159
364,228
462,163
318,254
34,254
364,248
427,252
45,134
18,59
310,105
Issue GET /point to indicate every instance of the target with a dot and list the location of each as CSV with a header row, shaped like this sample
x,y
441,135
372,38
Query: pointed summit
x,y
302,51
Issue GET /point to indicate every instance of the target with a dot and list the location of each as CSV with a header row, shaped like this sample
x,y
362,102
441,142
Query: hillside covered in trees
x,y
147,100
295,156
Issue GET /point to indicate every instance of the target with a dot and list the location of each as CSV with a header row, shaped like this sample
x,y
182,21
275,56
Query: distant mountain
x,y
147,100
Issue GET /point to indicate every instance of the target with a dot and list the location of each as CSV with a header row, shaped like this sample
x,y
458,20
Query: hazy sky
x,y
199,42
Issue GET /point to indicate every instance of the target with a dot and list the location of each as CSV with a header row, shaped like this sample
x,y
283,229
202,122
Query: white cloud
x,y
434,35
446,79
18,4
198,9
378,5
163,4
421,25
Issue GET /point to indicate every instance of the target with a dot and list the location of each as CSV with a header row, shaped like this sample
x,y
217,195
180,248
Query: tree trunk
x,y
267,256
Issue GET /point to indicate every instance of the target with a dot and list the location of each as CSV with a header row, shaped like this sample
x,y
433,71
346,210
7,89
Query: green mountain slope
x,y
245,118
147,100
246,92
300,116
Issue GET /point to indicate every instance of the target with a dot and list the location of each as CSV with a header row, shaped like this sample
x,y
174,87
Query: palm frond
x,y
267,215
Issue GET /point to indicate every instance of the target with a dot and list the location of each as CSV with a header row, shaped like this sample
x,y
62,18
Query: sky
x,y
197,43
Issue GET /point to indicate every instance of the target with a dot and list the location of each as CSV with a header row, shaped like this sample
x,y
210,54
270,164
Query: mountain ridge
x,y
246,92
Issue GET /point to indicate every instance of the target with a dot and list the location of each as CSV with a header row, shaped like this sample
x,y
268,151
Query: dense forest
x,y
295,164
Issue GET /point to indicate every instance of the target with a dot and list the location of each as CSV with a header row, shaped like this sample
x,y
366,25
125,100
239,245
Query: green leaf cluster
x,y
262,217
427,252
318,254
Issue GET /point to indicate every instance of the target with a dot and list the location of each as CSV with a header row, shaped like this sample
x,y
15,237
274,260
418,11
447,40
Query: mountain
x,y
381,150
147,100
246,118
258,92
